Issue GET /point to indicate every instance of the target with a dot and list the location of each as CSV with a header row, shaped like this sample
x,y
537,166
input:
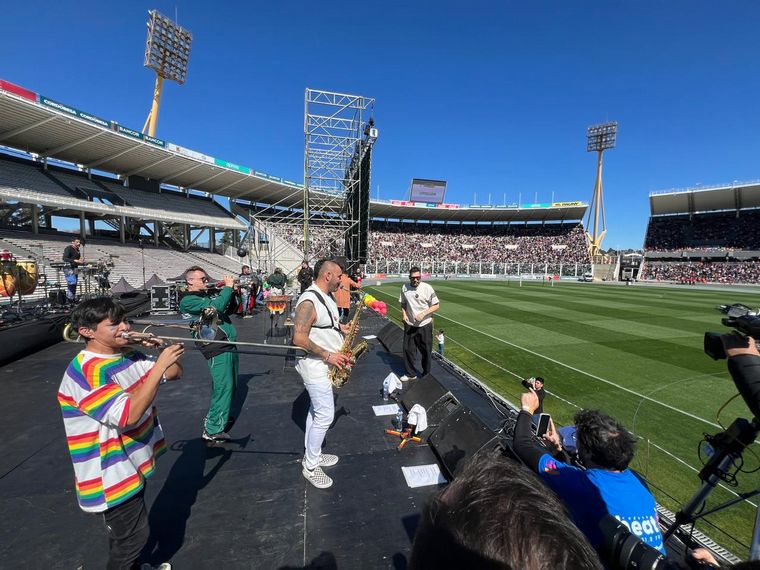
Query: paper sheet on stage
x,y
423,475
369,337
386,410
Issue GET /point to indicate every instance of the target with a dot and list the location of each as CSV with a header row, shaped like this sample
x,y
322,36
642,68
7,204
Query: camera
x,y
529,383
740,318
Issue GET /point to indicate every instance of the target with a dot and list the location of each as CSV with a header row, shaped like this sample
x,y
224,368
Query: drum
x,y
7,278
26,276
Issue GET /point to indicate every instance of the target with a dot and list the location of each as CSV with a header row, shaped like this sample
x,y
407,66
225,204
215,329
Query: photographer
x,y
537,385
744,367
605,486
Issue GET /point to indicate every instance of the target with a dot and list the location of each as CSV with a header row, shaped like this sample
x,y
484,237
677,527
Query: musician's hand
x,y
229,280
338,360
170,355
153,342
345,329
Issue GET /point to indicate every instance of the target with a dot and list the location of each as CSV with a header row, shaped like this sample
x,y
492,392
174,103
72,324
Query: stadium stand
x,y
499,244
709,246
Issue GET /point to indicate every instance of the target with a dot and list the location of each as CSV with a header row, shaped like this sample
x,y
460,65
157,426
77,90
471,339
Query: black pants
x,y
343,312
417,338
127,527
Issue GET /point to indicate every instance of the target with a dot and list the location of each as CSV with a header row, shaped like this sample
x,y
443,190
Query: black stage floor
x,y
241,505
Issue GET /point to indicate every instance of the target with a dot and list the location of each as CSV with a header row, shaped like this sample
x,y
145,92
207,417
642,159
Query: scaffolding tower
x,y
338,137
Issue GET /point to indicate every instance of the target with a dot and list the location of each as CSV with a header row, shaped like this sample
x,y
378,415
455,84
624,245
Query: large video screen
x,y
429,191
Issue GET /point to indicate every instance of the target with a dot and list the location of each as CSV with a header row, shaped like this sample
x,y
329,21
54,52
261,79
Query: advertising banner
x,y
63,108
191,153
563,204
232,166
17,90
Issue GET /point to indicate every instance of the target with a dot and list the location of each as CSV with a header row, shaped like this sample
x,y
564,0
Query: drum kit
x,y
21,277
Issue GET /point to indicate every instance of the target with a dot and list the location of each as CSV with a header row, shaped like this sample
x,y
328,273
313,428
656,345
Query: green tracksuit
x,y
223,367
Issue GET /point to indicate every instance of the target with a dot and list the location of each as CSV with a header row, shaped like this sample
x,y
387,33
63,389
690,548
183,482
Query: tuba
x,y
339,376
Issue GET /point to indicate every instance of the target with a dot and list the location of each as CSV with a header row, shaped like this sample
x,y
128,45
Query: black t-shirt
x,y
70,254
540,393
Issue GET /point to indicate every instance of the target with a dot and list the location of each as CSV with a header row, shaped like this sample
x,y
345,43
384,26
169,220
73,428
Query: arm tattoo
x,y
306,314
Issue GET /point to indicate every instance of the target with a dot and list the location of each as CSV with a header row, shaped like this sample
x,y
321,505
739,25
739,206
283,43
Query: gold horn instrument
x,y
339,376
70,334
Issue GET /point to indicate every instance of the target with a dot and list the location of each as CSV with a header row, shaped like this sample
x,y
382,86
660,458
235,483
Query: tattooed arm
x,y
305,317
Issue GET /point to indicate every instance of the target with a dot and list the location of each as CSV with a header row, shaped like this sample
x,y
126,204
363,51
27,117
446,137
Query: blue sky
x,y
491,96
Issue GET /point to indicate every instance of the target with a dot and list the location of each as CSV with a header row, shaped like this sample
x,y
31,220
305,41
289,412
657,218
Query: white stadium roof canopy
x,y
736,196
36,124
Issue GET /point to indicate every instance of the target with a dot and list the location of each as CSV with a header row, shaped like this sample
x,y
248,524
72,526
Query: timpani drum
x,y
7,276
26,276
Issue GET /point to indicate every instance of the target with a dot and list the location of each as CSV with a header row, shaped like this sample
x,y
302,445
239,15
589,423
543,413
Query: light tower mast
x,y
167,52
600,138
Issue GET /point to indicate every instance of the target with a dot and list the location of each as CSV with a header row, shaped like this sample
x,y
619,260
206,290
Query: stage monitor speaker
x,y
428,392
57,297
460,437
392,338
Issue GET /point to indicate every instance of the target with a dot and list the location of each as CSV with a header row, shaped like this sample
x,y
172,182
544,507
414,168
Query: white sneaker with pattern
x,y
317,478
327,460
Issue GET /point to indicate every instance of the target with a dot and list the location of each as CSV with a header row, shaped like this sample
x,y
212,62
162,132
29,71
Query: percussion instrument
x,y
17,276
276,304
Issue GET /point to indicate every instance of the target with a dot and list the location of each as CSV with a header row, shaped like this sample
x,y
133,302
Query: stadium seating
x,y
533,243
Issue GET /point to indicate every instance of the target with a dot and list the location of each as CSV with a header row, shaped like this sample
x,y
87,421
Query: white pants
x,y
318,420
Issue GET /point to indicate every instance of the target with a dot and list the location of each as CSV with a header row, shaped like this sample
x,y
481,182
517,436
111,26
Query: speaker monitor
x,y
392,338
460,437
428,392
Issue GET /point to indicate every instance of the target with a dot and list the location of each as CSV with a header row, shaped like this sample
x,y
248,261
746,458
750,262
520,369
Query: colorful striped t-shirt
x,y
111,460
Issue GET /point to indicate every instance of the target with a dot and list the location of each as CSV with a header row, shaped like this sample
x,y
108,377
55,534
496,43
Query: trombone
x,y
70,334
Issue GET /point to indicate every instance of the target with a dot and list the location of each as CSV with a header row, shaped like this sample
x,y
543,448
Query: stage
x,y
238,505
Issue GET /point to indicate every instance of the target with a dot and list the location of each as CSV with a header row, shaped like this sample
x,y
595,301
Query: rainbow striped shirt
x,y
111,460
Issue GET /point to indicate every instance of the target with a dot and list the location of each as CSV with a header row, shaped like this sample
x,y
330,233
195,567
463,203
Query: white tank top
x,y
324,332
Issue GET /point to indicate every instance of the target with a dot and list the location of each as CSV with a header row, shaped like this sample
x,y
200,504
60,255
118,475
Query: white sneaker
x,y
317,478
327,460
406,378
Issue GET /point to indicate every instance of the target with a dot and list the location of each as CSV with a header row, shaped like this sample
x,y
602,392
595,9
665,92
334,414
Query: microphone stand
x,y
142,259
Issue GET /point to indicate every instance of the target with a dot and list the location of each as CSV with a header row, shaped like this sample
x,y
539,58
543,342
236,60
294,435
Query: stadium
x,y
525,289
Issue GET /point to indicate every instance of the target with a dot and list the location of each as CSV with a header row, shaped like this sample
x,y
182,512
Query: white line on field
x,y
578,370
573,404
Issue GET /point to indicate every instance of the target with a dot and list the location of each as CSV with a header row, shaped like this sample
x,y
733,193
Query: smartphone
x,y
543,424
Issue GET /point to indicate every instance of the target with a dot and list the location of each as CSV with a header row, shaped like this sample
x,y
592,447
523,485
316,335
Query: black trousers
x,y
417,338
127,527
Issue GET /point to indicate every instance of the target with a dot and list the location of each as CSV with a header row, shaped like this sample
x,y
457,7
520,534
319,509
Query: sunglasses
x,y
415,278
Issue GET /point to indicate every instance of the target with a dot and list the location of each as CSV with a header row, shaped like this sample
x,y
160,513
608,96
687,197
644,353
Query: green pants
x,y
224,372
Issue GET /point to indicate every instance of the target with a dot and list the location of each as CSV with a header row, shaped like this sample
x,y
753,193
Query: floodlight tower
x,y
167,52
600,138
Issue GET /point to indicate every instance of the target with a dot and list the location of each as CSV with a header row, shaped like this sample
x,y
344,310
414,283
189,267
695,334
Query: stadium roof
x,y
736,196
36,124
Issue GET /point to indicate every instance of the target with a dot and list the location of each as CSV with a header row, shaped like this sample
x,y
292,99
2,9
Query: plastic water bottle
x,y
399,421
385,390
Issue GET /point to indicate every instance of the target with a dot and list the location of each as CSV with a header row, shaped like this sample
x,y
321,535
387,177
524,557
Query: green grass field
x,y
634,352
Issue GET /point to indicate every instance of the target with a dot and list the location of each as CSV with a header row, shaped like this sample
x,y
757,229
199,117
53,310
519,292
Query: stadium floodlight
x,y
599,138
167,52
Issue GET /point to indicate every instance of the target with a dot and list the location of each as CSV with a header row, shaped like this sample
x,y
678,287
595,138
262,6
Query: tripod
x,y
142,259
727,449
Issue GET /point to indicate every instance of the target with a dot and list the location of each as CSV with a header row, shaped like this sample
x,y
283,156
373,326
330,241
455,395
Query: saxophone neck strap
x,y
332,324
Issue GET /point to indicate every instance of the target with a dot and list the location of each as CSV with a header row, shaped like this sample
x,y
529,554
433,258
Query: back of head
x,y
93,311
602,441
498,515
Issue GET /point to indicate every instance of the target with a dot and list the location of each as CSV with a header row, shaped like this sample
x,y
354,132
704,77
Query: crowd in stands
x,y
692,272
704,232
534,243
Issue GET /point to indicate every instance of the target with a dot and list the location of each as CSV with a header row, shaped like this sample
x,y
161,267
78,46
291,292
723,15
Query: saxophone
x,y
339,376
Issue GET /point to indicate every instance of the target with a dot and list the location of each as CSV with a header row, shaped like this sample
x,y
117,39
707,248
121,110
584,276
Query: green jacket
x,y
193,303
277,280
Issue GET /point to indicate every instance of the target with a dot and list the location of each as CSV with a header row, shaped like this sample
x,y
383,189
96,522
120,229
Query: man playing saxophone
x,y
317,329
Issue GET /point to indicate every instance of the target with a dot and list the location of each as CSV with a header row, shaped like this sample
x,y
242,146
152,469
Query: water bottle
x,y
385,390
399,419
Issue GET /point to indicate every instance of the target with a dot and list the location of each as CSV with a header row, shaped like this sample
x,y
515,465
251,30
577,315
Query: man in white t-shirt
x,y
418,301
317,329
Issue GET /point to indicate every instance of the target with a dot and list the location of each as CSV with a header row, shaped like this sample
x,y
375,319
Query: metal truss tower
x,y
338,132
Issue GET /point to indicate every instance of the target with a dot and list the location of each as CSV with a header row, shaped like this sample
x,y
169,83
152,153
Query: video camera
x,y
739,317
